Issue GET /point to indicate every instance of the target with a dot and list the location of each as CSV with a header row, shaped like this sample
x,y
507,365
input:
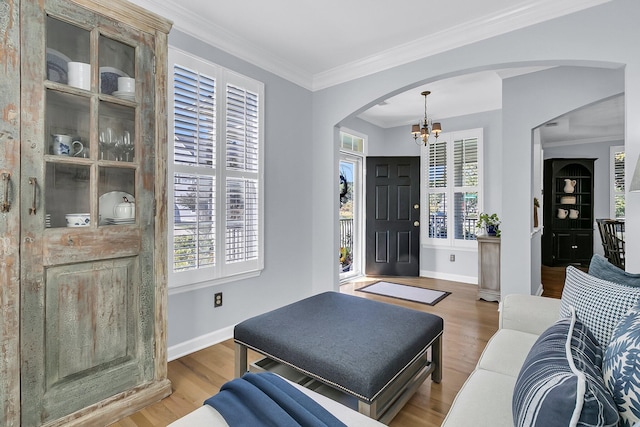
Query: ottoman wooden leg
x,y
436,356
240,360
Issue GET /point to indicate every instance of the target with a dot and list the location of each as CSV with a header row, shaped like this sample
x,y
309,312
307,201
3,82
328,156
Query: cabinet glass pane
x,y
117,196
68,54
67,195
117,132
117,60
67,125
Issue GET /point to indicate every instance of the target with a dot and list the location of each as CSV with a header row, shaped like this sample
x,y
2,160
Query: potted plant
x,y
491,224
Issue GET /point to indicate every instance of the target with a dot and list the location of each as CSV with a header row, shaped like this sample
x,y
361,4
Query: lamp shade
x,y
635,180
436,128
415,130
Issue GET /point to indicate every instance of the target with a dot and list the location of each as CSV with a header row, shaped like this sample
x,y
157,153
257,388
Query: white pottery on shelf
x,y
569,185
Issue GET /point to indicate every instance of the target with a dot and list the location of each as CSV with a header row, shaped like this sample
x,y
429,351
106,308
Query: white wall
x,y
193,322
544,96
613,45
301,223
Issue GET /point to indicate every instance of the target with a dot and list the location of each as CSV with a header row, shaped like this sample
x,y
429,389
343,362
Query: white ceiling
x,y
319,44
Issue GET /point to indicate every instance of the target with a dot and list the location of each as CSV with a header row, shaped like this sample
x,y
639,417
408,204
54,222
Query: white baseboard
x,y
453,277
198,343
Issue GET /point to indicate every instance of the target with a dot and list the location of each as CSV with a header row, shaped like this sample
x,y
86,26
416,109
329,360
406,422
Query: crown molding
x,y
188,22
533,12
529,13
581,141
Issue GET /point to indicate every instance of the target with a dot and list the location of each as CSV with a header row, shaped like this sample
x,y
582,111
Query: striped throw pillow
x,y
560,382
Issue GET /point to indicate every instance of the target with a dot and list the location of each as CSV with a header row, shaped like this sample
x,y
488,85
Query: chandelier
x,y
421,132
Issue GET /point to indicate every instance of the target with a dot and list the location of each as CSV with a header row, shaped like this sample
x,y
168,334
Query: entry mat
x,y
405,292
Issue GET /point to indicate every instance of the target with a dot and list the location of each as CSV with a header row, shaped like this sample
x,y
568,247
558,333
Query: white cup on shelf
x,y
79,75
126,84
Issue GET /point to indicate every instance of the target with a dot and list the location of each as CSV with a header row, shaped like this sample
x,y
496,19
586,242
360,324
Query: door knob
x,y
416,206
416,223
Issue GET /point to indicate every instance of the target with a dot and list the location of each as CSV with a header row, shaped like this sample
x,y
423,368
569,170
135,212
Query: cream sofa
x,y
485,398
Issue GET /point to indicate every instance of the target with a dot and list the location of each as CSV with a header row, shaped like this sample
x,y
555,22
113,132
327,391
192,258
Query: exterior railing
x,y
465,230
346,244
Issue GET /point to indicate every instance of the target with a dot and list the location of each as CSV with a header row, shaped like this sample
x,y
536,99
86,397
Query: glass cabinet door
x,y
91,116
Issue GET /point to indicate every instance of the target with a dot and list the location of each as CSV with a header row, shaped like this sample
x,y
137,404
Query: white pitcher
x,y
569,185
562,213
573,213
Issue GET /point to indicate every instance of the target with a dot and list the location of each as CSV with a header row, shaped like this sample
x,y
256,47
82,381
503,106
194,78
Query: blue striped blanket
x,y
267,400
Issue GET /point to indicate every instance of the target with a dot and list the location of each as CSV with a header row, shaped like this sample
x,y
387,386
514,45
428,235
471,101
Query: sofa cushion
x,y
561,383
600,304
483,400
603,269
621,366
506,351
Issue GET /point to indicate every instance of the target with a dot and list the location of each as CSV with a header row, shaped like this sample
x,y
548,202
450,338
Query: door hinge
x,y
153,63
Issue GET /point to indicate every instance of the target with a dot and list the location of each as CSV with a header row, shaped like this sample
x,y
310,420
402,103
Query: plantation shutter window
x,y
216,170
465,166
453,188
437,182
617,192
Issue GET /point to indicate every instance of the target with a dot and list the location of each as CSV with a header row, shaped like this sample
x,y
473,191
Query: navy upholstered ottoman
x,y
376,352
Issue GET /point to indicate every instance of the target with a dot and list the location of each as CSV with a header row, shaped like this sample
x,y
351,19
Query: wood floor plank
x,y
468,325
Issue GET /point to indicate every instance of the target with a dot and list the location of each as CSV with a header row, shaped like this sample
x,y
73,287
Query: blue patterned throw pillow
x,y
598,303
560,383
601,268
621,367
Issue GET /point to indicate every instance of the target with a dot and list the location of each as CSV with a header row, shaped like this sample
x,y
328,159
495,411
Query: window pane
x,y
465,162
194,222
466,215
618,162
242,129
619,205
194,118
438,215
242,220
437,164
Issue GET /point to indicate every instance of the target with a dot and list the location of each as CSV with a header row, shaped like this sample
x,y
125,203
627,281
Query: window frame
x,y
450,189
221,271
613,150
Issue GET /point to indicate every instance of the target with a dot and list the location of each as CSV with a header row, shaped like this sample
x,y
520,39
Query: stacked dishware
x,y
47,221
126,88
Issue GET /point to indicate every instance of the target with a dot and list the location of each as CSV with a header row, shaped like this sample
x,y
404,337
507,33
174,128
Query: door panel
x,y
393,231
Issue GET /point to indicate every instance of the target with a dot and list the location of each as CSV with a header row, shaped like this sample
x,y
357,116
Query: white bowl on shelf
x,y
78,219
109,79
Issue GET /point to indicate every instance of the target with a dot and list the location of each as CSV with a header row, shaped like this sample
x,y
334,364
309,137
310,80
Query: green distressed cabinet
x,y
82,211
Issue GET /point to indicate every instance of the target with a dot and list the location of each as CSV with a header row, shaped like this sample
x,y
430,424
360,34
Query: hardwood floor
x,y
468,324
553,280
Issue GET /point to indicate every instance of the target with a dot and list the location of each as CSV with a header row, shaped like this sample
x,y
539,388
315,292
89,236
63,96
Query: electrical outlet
x,y
217,299
452,257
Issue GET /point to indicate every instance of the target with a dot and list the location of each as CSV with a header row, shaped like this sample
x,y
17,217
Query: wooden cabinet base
x,y
488,295
117,407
